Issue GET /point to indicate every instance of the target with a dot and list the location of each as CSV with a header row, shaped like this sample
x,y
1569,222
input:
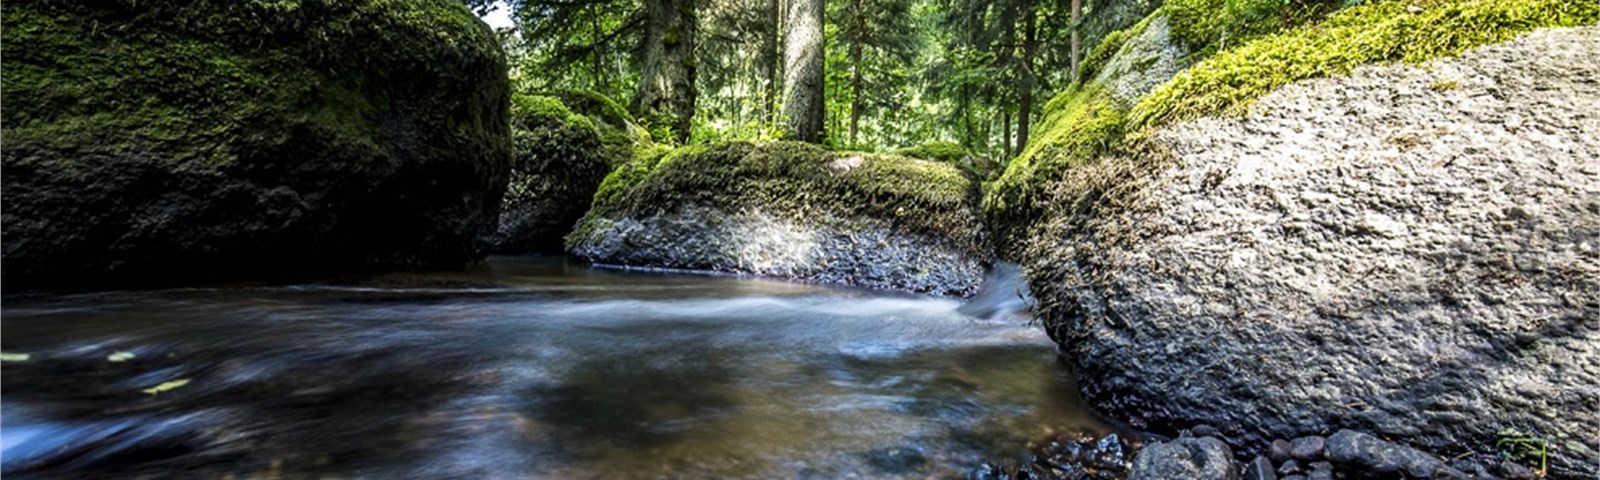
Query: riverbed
x,y
523,368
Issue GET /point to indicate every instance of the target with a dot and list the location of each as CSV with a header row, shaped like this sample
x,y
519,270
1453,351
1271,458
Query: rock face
x,y
173,140
1203,458
1149,57
795,211
1413,252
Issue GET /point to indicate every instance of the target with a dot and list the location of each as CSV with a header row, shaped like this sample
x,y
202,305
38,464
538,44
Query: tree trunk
x,y
666,81
1077,50
594,51
803,81
1030,41
856,39
774,85
1005,133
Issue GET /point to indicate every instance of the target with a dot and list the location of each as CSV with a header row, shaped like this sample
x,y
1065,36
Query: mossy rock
x,y
558,162
979,167
791,210
181,140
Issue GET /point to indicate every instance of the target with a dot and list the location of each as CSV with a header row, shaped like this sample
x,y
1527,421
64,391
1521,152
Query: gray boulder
x,y
1409,251
795,211
1203,458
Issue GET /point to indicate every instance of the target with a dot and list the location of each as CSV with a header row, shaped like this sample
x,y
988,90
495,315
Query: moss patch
x,y
1081,126
796,179
1379,32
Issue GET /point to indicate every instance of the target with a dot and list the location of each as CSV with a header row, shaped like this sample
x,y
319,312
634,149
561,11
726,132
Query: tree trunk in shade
x,y
803,72
666,81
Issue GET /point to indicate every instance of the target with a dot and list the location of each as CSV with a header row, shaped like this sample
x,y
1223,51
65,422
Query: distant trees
x,y
868,74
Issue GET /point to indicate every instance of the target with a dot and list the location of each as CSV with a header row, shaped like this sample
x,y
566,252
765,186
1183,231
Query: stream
x,y
524,367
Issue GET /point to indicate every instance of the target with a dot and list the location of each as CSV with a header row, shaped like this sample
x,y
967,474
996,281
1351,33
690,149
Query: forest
x,y
870,75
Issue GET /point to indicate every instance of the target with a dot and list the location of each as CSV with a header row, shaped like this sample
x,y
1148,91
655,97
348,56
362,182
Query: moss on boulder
x,y
977,166
791,210
183,139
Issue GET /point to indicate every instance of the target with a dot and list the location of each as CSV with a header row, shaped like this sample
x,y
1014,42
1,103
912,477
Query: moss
x,y
1208,26
1377,32
1081,126
183,81
1107,48
794,178
558,161
620,136
938,151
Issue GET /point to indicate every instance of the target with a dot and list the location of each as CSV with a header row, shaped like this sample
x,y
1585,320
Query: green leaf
x,y
13,357
120,356
165,386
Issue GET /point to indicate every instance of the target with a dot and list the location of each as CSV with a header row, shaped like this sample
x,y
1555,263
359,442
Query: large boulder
x,y
558,163
795,211
1409,251
174,140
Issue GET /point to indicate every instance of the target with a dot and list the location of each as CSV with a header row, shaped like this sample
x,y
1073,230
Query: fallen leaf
x,y
168,385
120,357
13,357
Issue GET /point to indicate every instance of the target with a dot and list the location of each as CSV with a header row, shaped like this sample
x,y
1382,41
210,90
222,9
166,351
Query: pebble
x,y
1279,450
1321,471
1308,448
1260,469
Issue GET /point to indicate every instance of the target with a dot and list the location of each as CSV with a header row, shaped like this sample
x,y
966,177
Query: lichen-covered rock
x,y
1413,252
175,140
791,210
557,164
1147,58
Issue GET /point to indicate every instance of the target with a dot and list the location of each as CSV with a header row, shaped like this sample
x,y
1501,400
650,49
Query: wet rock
x,y
1293,477
1308,448
1260,469
1189,458
985,471
1279,450
1516,471
1374,455
1204,430
896,460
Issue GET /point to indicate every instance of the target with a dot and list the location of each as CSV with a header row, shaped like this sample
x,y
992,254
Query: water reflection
x,y
521,368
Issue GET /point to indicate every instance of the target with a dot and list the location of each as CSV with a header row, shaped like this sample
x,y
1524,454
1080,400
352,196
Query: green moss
x,y
938,151
794,178
1081,126
1377,32
1208,26
187,82
1107,48
620,136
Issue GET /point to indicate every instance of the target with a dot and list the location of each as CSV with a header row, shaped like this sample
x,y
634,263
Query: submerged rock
x,y
176,140
794,211
1413,252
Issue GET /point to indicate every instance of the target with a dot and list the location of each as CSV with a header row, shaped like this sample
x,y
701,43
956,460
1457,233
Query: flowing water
x,y
523,368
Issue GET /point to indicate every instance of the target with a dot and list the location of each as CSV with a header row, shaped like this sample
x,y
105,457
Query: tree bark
x,y
803,84
667,69
1030,39
856,40
1077,50
774,85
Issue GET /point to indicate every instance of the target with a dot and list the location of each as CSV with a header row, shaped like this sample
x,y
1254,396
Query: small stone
x,y
1321,471
1260,469
1188,458
1308,448
1203,430
1293,477
1290,467
1381,457
1279,450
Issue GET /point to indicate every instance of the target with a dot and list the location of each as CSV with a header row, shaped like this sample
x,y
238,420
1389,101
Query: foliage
x,y
1208,26
1376,32
1081,125
1517,447
938,151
